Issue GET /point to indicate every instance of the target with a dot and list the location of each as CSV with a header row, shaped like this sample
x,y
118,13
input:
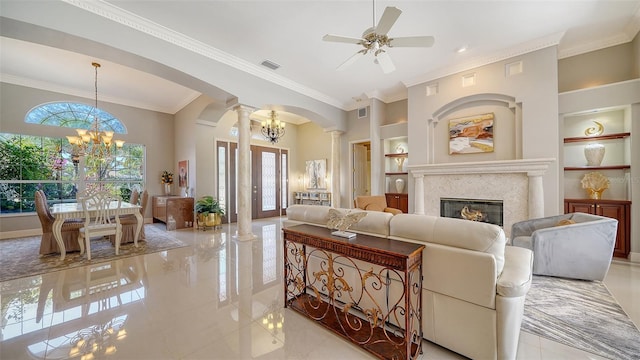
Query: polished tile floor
x,y
214,299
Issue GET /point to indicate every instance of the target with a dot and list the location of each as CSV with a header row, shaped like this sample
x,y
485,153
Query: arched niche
x,y
507,127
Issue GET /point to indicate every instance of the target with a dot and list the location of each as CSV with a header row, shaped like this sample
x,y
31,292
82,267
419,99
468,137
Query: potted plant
x,y
209,211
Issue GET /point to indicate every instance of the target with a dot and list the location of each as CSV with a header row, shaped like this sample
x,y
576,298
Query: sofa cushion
x,y
311,214
464,234
376,223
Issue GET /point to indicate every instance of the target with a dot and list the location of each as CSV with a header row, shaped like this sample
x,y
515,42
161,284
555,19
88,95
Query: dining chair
x,y
135,197
85,193
130,223
101,211
70,228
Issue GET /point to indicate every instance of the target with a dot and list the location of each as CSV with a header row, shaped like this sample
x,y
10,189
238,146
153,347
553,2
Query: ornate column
x,y
418,189
335,168
536,194
244,173
245,297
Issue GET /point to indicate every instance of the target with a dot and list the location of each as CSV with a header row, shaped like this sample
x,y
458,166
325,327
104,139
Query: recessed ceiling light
x,y
462,49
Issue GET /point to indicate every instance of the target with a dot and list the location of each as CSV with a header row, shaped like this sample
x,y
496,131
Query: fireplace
x,y
489,211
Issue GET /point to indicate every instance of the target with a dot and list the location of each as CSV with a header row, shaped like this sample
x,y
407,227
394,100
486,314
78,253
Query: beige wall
x,y
605,66
154,130
396,112
636,56
534,91
313,143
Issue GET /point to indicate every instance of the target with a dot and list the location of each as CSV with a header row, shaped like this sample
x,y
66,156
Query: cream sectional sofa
x,y
474,286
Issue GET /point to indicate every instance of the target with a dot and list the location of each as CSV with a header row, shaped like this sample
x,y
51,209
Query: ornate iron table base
x,y
367,290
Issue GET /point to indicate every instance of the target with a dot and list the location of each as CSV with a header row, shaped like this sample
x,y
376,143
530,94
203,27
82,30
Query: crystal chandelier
x,y
273,129
93,142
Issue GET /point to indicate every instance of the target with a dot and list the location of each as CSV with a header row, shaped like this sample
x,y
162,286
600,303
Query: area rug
x,y
580,314
20,258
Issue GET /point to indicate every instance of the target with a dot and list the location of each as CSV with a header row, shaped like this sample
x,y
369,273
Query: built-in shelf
x,y
609,167
595,138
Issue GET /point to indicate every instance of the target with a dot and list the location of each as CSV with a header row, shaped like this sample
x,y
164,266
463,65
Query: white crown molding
x,y
48,86
593,46
121,16
520,49
630,31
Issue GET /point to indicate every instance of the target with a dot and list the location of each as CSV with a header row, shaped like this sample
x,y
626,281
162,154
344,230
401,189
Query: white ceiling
x,y
290,33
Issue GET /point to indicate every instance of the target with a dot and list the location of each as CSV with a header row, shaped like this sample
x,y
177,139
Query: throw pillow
x,y
565,222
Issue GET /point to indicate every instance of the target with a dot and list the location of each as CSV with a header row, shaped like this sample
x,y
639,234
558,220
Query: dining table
x,y
64,211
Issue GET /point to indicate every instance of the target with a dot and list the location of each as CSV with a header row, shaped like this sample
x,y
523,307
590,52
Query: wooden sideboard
x,y
180,208
615,209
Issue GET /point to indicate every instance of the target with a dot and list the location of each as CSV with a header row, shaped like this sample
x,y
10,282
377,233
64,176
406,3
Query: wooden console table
x,y
372,304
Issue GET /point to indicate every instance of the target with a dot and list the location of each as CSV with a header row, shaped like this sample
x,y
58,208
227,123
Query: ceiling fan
x,y
375,39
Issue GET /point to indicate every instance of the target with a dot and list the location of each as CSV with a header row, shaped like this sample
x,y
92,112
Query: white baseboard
x,y
634,257
35,232
19,233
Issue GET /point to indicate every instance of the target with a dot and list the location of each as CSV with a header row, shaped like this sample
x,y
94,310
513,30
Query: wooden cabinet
x,y
398,201
616,209
180,208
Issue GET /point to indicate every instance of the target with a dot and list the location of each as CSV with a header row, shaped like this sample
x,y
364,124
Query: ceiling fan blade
x,y
384,60
342,39
349,61
387,20
412,41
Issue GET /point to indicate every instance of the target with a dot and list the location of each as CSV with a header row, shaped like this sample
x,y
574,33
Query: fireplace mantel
x,y
483,167
523,195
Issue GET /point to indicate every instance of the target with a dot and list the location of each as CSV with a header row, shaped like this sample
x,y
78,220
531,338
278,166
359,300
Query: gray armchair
x,y
581,250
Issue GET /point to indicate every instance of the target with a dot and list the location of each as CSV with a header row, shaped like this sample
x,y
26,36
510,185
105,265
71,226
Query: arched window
x,y
74,115
29,163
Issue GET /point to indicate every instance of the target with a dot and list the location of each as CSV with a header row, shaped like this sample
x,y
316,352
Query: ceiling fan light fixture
x,y
375,39
375,46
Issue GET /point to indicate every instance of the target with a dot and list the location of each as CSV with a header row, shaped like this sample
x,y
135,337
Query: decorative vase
x,y
399,185
595,193
594,153
167,189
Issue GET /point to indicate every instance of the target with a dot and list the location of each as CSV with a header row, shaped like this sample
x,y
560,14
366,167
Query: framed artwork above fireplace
x,y
471,134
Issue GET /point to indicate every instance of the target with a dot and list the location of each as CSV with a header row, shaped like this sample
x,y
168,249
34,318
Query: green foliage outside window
x,y
30,163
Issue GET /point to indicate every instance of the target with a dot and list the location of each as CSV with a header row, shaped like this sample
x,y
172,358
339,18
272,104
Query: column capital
x,y
241,108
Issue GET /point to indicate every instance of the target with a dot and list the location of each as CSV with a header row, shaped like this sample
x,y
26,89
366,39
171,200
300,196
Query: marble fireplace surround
x,y
518,183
